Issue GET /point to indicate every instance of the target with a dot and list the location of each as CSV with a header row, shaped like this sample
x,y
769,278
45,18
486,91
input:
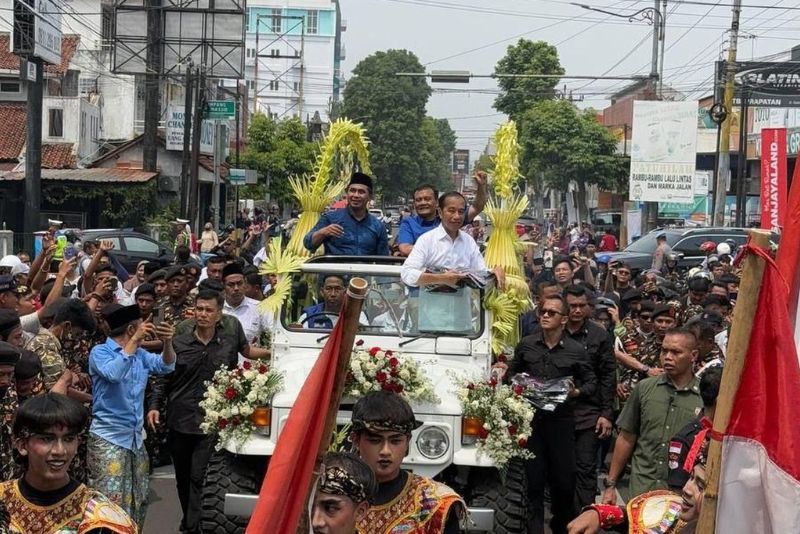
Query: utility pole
x,y
152,102
33,154
650,209
724,159
194,184
219,157
663,38
188,106
302,64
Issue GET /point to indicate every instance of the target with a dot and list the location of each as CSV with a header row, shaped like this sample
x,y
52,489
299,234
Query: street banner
x,y
174,131
773,178
664,151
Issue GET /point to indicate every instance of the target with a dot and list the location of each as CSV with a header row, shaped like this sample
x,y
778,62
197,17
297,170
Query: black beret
x,y
117,315
9,320
193,267
160,274
647,305
632,294
232,268
7,283
150,267
105,268
663,309
361,179
9,354
146,289
28,366
175,270
210,283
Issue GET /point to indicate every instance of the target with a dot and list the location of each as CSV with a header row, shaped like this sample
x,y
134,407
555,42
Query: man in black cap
x,y
146,299
119,368
9,356
159,281
11,328
351,230
178,304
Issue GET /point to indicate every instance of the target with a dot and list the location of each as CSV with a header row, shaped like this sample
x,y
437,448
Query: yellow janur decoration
x,y
504,248
345,144
282,263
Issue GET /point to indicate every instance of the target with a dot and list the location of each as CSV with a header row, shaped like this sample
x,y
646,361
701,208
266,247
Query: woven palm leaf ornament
x,y
345,145
503,249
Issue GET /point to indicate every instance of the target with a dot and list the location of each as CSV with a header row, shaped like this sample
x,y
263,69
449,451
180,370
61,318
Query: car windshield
x,y
647,244
390,308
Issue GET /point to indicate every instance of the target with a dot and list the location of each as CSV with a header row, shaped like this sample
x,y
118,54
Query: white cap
x,y
54,222
182,221
10,261
22,268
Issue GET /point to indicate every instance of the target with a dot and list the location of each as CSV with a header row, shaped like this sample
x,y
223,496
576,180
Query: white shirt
x,y
253,321
260,257
435,250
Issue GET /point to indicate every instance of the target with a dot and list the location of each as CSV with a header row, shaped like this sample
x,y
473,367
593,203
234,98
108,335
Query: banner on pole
x,y
773,178
664,151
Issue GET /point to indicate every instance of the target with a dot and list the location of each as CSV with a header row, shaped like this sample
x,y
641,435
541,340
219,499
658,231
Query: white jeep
x,y
437,449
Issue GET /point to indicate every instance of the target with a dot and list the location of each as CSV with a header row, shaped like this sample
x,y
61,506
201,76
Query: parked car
x,y
606,220
639,254
131,247
523,224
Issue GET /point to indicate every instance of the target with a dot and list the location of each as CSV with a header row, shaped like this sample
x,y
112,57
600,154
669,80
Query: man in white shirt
x,y
446,249
253,321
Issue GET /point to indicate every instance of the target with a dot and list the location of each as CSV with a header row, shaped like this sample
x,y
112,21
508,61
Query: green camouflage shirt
x,y
48,348
8,407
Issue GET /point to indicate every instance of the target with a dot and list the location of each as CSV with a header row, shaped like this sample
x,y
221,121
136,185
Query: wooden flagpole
x,y
738,344
354,300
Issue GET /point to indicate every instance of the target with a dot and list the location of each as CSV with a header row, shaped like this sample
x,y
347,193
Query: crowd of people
x,y
102,372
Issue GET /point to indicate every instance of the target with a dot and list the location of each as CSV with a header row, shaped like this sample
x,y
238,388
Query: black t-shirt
x,y
196,363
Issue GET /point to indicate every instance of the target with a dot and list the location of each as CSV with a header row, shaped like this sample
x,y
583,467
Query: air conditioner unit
x,y
170,184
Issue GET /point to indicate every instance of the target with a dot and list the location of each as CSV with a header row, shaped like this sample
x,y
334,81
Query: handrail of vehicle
x,y
362,268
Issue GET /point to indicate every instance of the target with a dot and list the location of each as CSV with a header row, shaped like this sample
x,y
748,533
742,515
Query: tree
x,y
392,108
278,149
526,57
561,144
435,160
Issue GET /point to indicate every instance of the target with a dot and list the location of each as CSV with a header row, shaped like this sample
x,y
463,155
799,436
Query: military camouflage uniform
x,y
647,350
688,311
8,406
175,314
48,348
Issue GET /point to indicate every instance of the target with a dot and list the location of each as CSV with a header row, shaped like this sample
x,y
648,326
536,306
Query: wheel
x,y
507,497
228,473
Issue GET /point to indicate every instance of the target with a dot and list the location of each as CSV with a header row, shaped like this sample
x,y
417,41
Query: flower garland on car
x,y
377,369
232,396
504,414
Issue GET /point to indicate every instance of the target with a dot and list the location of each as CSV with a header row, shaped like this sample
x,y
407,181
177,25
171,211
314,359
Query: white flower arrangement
x,y
376,369
505,417
232,396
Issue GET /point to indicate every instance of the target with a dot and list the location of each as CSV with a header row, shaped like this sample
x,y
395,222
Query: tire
x,y
507,496
227,473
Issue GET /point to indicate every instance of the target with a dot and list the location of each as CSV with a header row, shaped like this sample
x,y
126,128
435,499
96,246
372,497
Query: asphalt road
x,y
164,512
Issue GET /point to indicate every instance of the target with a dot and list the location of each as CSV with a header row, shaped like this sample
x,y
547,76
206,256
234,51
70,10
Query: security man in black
x,y
593,414
547,354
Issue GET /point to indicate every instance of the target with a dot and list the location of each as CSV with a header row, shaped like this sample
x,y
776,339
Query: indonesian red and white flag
x,y
789,253
759,489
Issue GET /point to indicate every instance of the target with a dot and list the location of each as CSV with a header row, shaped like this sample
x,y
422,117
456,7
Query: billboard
x,y
773,178
174,131
38,33
767,84
663,151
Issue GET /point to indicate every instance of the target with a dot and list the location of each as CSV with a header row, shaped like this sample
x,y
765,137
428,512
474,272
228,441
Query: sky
x,y
473,35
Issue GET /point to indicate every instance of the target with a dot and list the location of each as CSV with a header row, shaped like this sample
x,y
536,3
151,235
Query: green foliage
x,y
165,219
436,157
526,57
392,109
123,204
278,149
562,144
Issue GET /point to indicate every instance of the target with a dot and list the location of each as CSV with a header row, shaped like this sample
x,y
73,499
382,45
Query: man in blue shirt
x,y
118,463
426,219
351,230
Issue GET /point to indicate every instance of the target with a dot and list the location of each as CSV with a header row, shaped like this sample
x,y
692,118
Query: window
x,y
273,85
312,22
277,20
274,52
251,52
9,87
251,85
296,86
83,123
55,122
107,24
139,245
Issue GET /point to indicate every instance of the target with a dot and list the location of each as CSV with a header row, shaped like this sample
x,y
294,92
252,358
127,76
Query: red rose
x,y
483,433
393,362
247,365
493,382
263,369
522,442
230,393
380,376
502,358
512,429
386,386
389,353
394,372
470,386
374,350
398,388
236,420
359,342
222,423
519,390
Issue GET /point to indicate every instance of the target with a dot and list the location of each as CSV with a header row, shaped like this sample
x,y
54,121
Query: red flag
x,y
789,252
760,474
285,488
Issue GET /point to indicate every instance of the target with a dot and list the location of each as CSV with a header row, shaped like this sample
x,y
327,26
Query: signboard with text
x,y
220,110
663,151
773,84
174,132
773,178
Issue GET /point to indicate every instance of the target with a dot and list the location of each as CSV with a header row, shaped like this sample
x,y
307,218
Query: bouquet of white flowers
x,y
376,369
503,415
232,397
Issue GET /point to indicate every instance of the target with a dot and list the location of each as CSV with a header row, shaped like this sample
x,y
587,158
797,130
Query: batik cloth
x,y
120,474
421,508
81,511
8,407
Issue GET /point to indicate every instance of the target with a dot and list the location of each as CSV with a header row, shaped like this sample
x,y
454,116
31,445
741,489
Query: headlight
x,y
433,442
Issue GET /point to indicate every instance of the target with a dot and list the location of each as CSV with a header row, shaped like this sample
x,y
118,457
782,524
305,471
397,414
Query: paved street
x,y
164,514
